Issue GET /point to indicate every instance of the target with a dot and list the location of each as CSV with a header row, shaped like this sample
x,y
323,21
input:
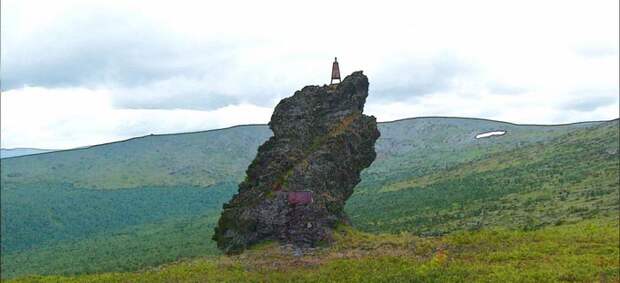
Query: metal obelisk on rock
x,y
335,71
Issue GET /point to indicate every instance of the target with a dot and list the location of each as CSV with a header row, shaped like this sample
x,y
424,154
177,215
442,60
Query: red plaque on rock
x,y
299,198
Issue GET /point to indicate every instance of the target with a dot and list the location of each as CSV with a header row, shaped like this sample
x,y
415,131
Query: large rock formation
x,y
297,185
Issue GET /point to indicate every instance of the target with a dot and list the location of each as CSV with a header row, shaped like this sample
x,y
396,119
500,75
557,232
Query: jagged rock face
x,y
297,185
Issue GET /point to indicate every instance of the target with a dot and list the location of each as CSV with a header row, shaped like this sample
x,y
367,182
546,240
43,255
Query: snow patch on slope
x,y
490,134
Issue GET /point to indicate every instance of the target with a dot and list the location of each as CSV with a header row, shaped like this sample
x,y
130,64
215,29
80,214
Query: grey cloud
x,y
145,67
105,47
597,51
142,64
507,89
198,93
589,100
413,78
198,99
178,92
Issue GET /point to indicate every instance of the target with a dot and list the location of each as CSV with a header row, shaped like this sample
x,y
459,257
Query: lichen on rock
x,y
297,185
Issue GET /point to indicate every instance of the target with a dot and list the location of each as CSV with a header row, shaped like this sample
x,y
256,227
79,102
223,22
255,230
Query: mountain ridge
x,y
265,125
51,225
22,151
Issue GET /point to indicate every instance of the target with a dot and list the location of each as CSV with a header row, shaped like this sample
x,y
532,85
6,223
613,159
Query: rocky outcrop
x,y
297,185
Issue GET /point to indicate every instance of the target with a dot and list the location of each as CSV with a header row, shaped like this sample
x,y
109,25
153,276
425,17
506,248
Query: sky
x,y
77,73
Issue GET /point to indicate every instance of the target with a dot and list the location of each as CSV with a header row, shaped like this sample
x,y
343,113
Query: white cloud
x,y
73,117
163,66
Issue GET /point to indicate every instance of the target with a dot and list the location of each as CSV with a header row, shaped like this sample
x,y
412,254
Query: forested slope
x,y
150,200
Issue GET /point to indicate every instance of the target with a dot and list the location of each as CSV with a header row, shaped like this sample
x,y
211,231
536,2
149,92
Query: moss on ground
x,y
582,252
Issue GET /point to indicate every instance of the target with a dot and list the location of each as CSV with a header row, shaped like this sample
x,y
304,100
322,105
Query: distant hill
x,y
14,152
192,159
154,199
569,178
210,157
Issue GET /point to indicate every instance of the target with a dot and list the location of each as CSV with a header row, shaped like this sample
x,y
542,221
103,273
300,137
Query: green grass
x,y
129,249
199,159
571,178
583,252
202,159
38,217
94,210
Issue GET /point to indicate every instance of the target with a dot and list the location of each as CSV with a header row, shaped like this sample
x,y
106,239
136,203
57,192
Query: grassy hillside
x,y
146,201
573,177
199,159
33,217
583,252
202,159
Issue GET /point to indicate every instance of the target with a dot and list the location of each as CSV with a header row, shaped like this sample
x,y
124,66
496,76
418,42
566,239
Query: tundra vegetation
x,y
537,204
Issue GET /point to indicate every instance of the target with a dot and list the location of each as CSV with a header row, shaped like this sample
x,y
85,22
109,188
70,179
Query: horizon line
x,y
257,125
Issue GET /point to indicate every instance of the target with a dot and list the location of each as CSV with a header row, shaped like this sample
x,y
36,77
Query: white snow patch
x,y
490,134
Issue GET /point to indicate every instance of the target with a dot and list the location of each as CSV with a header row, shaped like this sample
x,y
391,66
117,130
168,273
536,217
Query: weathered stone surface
x,y
321,143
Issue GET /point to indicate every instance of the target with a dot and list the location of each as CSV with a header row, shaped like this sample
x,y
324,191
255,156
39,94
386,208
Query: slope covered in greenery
x,y
573,177
143,202
583,252
202,159
198,159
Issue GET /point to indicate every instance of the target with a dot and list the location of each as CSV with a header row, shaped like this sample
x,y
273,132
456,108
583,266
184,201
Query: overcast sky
x,y
78,73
